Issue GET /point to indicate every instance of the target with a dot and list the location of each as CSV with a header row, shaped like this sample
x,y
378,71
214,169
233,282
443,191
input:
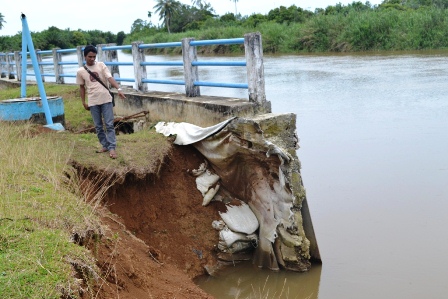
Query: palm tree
x,y
2,20
166,9
235,6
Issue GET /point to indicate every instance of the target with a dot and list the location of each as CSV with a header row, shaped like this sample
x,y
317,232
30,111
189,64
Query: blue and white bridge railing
x,y
10,64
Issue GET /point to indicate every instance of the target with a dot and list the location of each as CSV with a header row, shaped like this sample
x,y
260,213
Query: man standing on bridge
x,y
99,99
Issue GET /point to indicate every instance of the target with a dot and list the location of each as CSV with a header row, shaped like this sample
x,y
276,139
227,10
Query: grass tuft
x,y
52,184
38,216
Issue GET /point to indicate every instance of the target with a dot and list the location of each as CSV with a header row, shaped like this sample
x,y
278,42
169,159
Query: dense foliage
x,y
392,25
54,37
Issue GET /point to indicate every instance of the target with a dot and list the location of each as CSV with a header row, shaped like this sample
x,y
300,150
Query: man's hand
x,y
114,84
82,91
121,94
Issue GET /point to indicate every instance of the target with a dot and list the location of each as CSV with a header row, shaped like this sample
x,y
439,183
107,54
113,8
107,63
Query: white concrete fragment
x,y
188,133
206,182
240,218
229,237
234,248
210,195
218,224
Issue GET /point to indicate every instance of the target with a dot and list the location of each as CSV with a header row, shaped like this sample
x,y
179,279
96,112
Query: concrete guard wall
x,y
202,111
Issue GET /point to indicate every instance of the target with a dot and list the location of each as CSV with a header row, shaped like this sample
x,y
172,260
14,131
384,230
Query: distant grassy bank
x,y
41,212
373,30
391,26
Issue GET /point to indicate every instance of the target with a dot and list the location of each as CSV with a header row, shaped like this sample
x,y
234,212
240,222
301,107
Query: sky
x,y
116,16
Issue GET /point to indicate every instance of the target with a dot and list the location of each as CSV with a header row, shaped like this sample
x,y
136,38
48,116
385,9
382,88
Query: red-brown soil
x,y
158,235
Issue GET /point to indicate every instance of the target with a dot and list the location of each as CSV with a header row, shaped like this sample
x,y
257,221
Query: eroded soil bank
x,y
158,236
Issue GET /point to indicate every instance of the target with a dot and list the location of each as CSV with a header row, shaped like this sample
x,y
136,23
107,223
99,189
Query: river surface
x,y
373,132
374,151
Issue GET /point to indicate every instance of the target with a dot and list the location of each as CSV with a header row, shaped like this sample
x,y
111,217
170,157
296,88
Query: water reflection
x,y
244,281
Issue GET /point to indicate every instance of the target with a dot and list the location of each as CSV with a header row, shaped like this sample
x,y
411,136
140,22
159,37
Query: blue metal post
x,y
40,85
24,65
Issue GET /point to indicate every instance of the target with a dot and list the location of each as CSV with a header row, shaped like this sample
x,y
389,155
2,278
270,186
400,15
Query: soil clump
x,y
157,235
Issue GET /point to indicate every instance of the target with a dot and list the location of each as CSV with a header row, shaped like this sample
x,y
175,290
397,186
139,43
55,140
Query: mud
x,y
159,236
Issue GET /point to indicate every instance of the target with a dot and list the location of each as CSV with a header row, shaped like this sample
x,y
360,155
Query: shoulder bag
x,y
101,82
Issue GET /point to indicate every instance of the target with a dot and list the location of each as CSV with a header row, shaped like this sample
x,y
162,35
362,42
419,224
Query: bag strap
x,y
96,77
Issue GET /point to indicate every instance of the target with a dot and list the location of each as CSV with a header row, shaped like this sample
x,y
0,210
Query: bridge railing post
x,y
112,56
109,56
18,60
39,62
10,66
58,68
138,56
2,65
100,54
80,55
191,74
255,70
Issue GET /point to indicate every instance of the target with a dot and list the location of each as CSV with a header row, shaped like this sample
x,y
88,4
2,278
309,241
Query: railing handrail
x,y
108,54
230,41
66,50
160,45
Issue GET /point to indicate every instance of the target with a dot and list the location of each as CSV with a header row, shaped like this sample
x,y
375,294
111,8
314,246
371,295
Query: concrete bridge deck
x,y
177,107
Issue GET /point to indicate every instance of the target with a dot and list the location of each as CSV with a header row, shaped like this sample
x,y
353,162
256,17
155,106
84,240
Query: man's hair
x,y
89,49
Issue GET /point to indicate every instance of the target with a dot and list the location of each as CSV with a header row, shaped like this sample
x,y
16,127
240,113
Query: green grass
x,y
39,215
140,153
35,261
47,206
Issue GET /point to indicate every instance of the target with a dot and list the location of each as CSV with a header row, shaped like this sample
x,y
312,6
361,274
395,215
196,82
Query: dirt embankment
x,y
158,236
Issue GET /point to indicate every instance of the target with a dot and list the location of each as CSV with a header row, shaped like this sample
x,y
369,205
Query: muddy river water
x,y
373,132
373,135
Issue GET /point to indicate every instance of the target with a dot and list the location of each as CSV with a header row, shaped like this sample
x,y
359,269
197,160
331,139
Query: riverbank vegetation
x,y
42,216
50,215
392,25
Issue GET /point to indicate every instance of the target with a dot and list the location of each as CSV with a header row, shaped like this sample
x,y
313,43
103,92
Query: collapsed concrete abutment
x,y
254,155
253,162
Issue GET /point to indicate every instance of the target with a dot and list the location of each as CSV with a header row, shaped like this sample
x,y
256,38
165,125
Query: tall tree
x,y
235,1
166,10
192,17
2,20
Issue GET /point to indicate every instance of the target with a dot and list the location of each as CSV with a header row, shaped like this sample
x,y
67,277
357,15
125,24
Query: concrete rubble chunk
x,y
256,162
240,218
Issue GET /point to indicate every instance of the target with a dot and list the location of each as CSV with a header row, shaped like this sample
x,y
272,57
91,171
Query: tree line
x,y
391,25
